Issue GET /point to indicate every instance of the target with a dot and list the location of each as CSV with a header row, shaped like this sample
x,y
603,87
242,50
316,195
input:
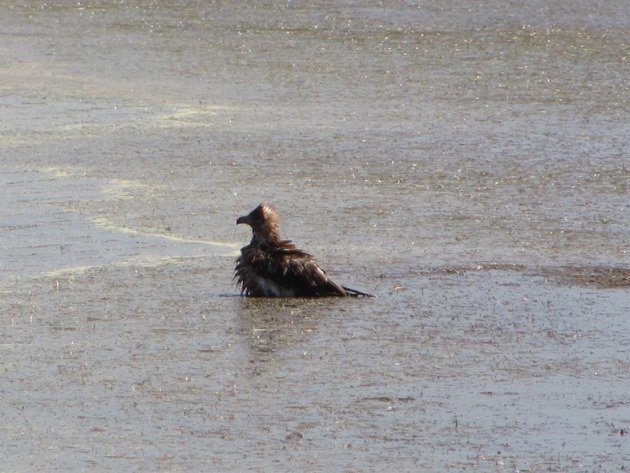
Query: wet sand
x,y
466,163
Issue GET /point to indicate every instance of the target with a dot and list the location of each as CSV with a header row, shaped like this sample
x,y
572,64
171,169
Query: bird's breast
x,y
273,289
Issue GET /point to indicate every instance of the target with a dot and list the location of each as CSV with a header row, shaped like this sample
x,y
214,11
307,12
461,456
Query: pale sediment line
x,y
124,188
107,224
142,261
57,172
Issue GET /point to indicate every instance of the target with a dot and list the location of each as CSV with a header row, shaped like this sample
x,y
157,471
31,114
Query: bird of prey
x,y
272,267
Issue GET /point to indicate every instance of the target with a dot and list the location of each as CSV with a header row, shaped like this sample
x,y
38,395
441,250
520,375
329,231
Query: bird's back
x,y
280,269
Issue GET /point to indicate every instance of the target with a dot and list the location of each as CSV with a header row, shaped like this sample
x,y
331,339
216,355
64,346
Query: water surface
x,y
467,162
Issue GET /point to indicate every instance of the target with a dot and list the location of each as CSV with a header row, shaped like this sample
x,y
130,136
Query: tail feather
x,y
355,293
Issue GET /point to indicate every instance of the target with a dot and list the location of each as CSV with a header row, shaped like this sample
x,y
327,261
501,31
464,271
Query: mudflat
x,y
465,162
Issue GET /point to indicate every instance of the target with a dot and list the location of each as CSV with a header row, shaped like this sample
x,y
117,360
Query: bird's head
x,y
264,222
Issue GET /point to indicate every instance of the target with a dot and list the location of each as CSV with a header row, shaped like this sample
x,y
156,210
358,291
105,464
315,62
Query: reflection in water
x,y
277,324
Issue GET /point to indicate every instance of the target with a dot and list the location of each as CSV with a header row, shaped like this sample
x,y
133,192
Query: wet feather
x,y
272,267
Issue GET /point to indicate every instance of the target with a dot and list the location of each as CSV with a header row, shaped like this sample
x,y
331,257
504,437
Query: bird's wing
x,y
297,270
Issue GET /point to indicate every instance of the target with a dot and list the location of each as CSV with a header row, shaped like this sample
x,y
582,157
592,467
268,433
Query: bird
x,y
272,267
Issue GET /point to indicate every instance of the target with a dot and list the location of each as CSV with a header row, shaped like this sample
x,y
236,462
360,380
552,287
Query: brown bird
x,y
272,267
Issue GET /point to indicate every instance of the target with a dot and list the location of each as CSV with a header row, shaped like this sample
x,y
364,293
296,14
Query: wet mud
x,y
598,276
465,163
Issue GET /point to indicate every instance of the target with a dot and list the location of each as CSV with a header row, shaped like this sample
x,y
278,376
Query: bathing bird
x,y
272,267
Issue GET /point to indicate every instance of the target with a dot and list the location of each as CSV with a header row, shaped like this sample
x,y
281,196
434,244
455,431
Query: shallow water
x,y
465,162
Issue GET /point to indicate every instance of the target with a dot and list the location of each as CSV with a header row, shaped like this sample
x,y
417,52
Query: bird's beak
x,y
243,219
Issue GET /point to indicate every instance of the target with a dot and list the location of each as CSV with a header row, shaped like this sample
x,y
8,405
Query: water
x,y
465,162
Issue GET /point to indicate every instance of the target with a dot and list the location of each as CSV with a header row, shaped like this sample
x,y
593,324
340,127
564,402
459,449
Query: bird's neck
x,y
268,236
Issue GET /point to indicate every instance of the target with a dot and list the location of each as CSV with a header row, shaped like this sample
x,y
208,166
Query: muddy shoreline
x,y
596,276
